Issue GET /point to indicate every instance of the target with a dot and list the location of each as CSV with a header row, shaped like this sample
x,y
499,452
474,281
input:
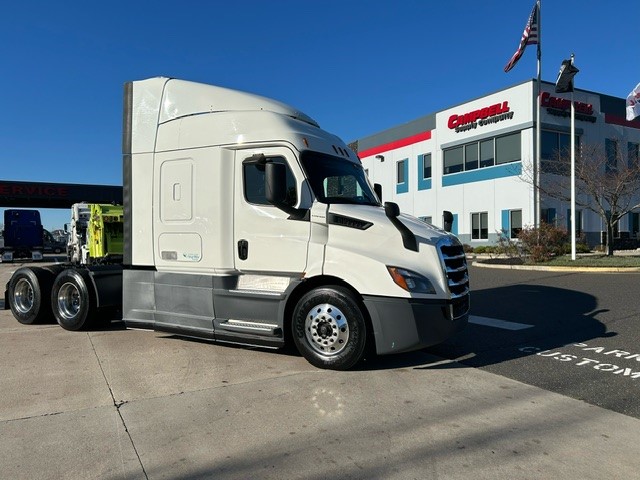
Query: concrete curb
x,y
543,268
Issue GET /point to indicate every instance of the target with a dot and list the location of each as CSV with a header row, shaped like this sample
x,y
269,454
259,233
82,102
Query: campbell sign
x,y
481,117
561,107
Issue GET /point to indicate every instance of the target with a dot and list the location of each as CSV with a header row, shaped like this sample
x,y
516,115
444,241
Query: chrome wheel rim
x,y
68,301
23,296
326,329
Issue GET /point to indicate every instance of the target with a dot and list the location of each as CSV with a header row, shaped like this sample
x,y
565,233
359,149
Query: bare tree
x,y
607,183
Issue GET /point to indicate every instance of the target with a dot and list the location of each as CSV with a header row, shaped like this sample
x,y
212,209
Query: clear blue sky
x,y
355,66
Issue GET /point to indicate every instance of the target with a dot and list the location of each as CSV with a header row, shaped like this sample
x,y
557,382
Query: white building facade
x,y
476,160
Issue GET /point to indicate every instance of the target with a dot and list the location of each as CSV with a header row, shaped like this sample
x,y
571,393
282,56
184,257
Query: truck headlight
x,y
410,281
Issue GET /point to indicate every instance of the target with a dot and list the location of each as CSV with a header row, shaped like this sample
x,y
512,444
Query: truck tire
x,y
329,329
29,289
73,300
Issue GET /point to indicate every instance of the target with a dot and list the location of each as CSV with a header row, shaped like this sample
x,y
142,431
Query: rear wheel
x,y
329,328
29,289
72,301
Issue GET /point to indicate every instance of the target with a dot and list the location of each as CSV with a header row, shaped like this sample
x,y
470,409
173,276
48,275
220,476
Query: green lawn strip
x,y
594,261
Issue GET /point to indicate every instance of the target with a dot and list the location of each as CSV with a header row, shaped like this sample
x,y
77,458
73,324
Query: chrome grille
x,y
454,263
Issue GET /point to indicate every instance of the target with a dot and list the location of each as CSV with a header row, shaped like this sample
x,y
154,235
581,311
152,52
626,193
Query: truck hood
x,y
425,233
362,242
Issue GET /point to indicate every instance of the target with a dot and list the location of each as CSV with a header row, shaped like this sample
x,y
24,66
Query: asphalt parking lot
x,y
120,404
573,333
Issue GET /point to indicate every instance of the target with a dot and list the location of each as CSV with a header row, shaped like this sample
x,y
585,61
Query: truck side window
x,y
254,183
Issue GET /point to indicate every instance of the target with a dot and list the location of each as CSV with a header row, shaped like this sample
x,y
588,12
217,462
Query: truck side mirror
x,y
275,184
391,209
447,220
377,188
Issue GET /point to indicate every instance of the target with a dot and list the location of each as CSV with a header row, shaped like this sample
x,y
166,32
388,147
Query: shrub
x,y
582,248
507,246
543,243
485,249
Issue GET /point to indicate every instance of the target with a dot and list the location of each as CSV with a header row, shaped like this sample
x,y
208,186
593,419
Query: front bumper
x,y
405,324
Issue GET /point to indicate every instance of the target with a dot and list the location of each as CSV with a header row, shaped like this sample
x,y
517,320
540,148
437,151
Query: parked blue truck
x,y
23,235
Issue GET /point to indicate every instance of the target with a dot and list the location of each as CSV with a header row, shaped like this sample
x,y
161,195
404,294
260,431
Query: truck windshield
x,y
336,180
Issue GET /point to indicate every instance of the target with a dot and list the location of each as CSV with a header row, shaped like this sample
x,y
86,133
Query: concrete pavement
x,y
120,404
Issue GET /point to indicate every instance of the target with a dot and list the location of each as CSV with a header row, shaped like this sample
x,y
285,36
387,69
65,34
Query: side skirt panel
x,y
204,306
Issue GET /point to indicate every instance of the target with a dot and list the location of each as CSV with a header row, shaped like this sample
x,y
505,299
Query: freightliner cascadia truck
x,y
245,222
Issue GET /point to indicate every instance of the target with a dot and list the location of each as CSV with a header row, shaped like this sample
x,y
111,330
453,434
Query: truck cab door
x,y
267,239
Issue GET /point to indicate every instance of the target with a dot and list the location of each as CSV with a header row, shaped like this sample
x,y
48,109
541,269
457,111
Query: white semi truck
x,y
245,222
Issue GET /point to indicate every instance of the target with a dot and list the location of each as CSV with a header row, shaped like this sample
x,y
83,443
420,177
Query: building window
x,y
480,226
402,182
453,160
578,222
611,149
508,149
486,153
548,215
471,156
633,150
634,224
550,145
424,171
426,166
482,154
515,223
401,174
554,147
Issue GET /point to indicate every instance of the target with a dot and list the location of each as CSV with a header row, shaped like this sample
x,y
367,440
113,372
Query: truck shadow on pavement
x,y
554,317
544,316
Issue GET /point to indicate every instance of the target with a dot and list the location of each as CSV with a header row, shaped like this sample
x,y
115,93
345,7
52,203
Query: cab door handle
x,y
243,249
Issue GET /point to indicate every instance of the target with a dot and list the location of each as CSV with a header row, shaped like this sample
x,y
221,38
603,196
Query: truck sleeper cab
x,y
245,222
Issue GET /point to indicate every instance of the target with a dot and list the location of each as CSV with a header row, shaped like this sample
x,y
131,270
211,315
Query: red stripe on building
x,y
403,142
622,121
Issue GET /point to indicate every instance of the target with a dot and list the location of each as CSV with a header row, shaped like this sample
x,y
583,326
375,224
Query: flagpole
x,y
536,189
564,84
573,173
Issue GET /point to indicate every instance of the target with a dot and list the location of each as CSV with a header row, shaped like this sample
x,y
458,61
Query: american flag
x,y
529,37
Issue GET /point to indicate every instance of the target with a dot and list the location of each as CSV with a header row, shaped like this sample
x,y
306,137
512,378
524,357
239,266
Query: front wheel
x,y
329,329
72,302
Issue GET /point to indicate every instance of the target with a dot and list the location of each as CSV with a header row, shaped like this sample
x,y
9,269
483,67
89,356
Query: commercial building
x,y
476,160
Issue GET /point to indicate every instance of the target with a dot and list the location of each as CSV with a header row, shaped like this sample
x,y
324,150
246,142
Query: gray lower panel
x,y
203,305
138,298
184,301
402,325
